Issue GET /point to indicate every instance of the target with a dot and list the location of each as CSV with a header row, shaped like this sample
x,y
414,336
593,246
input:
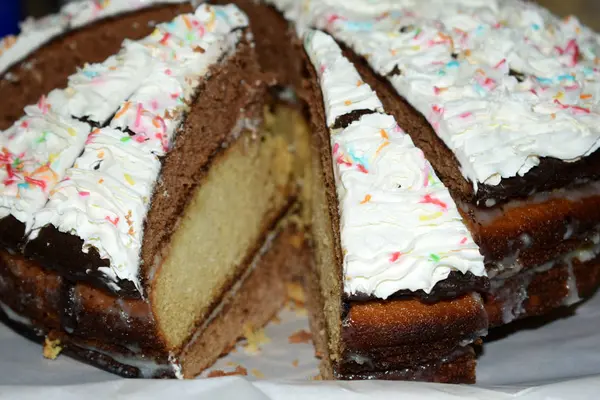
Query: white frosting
x,y
36,151
496,126
97,90
35,33
105,197
399,227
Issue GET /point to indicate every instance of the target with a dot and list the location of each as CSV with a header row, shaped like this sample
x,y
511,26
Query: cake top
x,y
502,82
36,32
400,229
97,183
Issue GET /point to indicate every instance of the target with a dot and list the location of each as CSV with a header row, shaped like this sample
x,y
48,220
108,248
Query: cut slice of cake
x,y
155,200
385,229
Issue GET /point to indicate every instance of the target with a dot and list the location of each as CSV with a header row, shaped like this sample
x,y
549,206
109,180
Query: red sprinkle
x,y
165,38
362,169
463,240
84,194
112,221
427,199
501,63
395,256
36,182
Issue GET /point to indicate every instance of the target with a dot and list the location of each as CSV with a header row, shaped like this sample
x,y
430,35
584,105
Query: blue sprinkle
x,y
359,25
90,74
587,71
546,81
479,29
566,77
479,89
453,63
535,27
23,185
357,159
222,14
441,72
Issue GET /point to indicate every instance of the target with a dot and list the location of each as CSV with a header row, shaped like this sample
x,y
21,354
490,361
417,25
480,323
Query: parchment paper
x,y
556,359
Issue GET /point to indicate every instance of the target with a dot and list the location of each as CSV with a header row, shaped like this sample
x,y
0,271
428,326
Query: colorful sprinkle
x,y
366,199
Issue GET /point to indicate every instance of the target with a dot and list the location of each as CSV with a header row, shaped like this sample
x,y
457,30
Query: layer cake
x,y
435,175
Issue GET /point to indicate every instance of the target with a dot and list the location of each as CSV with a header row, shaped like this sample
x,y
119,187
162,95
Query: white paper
x,y
557,360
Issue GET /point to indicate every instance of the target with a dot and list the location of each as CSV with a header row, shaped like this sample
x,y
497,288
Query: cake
x,y
433,175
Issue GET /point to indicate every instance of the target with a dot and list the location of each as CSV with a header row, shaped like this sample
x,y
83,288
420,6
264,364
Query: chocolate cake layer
x,y
550,174
50,66
119,335
229,101
536,230
458,367
537,292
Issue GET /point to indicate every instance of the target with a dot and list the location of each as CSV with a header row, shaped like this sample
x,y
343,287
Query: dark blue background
x,y
10,14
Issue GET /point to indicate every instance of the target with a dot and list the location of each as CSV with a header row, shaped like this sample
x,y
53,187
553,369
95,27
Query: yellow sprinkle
x,y
129,179
384,144
430,217
348,102
71,132
559,95
52,157
359,83
383,134
366,199
553,115
416,48
100,154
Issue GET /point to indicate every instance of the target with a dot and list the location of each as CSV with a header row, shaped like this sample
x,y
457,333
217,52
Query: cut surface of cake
x,y
434,174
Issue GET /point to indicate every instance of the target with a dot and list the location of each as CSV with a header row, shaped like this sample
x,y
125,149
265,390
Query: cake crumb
x,y
255,338
297,241
239,370
52,348
295,293
275,320
295,362
316,378
257,373
301,336
232,364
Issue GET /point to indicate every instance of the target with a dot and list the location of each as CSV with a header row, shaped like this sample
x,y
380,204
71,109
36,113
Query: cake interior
x,y
249,186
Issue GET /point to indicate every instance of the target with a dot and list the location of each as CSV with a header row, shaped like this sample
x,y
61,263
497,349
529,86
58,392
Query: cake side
x,y
466,88
50,65
148,87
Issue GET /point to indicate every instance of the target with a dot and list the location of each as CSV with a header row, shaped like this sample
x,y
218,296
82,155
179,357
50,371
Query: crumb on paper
x,y
232,364
257,373
255,338
295,293
301,336
275,320
52,348
316,378
239,370
295,363
318,354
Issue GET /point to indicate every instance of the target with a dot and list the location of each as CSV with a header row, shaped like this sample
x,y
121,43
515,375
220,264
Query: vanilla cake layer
x,y
121,335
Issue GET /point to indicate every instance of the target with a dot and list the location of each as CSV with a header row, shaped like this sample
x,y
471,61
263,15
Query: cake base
x,y
252,302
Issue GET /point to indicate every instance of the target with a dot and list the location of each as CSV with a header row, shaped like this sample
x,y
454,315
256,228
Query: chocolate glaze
x,y
344,120
455,285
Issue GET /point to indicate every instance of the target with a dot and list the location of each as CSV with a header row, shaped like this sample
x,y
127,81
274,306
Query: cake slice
x,y
385,231
164,222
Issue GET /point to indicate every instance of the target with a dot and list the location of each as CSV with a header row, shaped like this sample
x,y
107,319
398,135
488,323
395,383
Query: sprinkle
x,y
430,217
165,38
366,199
24,124
362,169
500,63
585,96
466,115
125,139
123,110
348,102
114,221
359,83
428,199
101,181
434,257
37,182
438,90
383,134
84,194
395,256
453,64
382,146
463,240
187,22
138,117
129,179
